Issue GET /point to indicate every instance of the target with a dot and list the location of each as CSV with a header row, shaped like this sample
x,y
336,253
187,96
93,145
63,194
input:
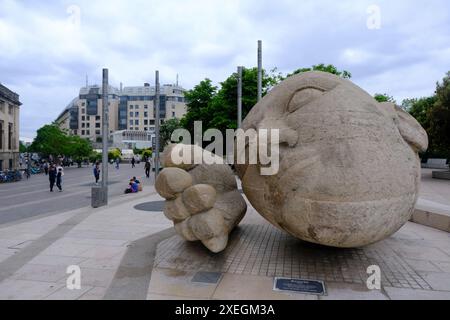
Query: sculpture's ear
x,y
409,128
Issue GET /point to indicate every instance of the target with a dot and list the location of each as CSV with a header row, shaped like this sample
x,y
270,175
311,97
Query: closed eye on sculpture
x,y
304,96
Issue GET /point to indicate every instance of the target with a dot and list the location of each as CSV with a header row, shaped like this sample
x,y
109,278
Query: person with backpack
x,y
148,168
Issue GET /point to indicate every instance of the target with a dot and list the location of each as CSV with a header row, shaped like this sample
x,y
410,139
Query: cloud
x,y
47,47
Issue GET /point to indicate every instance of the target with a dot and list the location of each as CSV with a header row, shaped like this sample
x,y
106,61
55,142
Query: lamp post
x,y
100,193
259,70
157,116
239,97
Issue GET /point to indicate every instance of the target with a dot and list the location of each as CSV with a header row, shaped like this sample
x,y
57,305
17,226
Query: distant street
x,y
31,198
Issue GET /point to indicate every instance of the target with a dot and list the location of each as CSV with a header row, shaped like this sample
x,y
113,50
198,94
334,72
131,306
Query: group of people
x,y
55,174
134,186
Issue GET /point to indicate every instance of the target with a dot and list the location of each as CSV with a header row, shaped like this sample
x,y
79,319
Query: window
x,y
136,114
88,125
145,122
83,125
10,136
131,106
136,122
83,110
83,104
145,106
131,113
152,121
10,109
1,137
146,114
145,129
97,118
97,125
83,118
82,132
97,132
173,114
88,132
131,122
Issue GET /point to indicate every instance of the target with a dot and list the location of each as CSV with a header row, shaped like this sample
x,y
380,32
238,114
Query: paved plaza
x,y
129,250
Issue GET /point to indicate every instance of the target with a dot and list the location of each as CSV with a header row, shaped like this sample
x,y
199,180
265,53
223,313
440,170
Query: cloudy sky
x,y
47,47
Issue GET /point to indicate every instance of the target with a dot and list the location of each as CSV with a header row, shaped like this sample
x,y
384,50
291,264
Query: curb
x,y
431,219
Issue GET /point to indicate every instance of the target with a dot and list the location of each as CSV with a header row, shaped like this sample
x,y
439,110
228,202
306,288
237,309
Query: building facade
x,y
9,129
130,109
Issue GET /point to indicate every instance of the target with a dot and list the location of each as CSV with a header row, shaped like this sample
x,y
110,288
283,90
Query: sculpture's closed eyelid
x,y
304,96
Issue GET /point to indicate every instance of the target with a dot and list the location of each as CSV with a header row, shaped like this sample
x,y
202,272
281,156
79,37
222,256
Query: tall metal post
x,y
105,129
259,70
100,193
239,97
157,116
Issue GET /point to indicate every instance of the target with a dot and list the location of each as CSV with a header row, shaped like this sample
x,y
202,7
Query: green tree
x,y
114,154
324,68
384,97
147,153
198,99
22,148
78,149
50,141
440,117
166,130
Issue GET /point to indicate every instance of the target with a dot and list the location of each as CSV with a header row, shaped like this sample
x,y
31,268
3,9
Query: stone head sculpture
x,y
348,173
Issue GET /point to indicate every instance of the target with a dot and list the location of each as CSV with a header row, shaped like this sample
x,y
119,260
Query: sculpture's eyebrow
x,y
315,87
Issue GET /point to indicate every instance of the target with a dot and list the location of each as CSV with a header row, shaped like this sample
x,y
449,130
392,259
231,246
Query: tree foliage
x,y
433,114
52,141
384,97
217,107
324,68
166,130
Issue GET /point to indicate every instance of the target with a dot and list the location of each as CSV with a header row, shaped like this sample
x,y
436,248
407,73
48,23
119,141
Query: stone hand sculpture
x,y
349,168
202,200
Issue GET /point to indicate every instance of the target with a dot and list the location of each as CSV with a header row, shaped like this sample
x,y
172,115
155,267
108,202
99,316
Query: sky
x,y
47,48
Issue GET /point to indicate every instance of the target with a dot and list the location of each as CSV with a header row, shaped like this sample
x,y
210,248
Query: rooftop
x,y
9,95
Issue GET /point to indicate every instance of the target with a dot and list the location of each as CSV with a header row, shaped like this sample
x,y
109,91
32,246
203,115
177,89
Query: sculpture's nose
x,y
286,134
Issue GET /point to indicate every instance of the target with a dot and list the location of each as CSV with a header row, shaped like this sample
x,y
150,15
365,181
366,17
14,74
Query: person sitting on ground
x,y
138,183
134,186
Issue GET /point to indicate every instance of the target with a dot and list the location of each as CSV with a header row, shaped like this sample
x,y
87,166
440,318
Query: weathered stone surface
x,y
352,176
199,198
172,181
206,206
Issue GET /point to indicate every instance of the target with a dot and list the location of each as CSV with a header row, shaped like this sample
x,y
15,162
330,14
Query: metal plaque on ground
x,y
207,277
316,287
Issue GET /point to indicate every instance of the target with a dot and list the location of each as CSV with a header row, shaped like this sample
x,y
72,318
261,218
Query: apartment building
x,y
9,129
130,108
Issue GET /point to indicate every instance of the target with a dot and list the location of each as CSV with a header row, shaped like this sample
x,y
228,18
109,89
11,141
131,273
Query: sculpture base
x,y
99,196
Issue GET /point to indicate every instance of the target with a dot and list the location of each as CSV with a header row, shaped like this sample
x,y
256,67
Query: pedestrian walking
x,y
133,162
117,163
52,176
59,175
148,168
96,172
46,168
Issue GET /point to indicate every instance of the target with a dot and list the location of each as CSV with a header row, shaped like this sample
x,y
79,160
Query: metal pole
x,y
156,123
259,70
239,97
105,129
